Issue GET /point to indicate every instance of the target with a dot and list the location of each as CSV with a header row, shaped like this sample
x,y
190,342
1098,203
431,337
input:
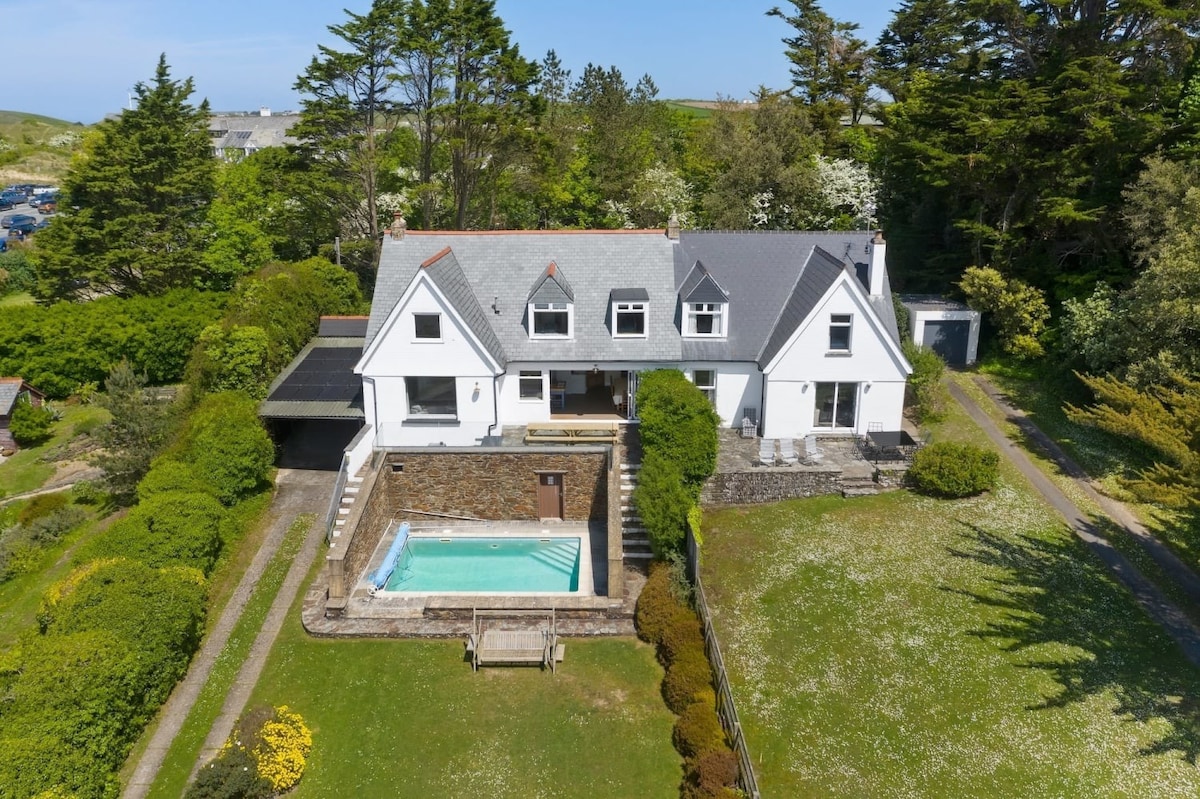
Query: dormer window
x,y
705,319
630,308
550,319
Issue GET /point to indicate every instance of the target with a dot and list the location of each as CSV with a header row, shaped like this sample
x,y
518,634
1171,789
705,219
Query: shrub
x,y
226,443
949,469
86,492
170,529
233,775
655,605
712,774
281,749
682,634
688,680
663,502
927,393
41,505
679,423
30,424
698,730
168,474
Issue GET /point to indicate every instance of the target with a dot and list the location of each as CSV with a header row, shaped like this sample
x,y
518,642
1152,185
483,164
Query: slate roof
x,y
553,287
239,131
10,389
772,280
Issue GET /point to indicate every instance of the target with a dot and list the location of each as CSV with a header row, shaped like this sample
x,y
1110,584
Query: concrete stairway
x,y
346,502
635,543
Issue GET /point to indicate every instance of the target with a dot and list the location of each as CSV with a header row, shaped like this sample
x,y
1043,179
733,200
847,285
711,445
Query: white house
x,y
472,331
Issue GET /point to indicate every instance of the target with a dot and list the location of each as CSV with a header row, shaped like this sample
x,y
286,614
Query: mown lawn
x,y
899,646
410,719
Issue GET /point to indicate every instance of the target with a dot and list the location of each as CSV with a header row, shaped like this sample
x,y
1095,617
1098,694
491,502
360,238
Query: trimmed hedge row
x,y
711,769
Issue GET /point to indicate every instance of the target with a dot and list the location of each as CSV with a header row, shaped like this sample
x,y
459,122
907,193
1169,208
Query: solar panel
x,y
325,375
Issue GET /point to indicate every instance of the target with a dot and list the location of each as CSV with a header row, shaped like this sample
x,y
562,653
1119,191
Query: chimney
x,y
399,226
673,227
264,111
876,269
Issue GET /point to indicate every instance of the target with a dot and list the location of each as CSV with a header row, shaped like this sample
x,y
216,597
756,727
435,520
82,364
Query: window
x,y
706,381
839,332
835,405
431,396
705,319
629,318
531,385
428,326
550,319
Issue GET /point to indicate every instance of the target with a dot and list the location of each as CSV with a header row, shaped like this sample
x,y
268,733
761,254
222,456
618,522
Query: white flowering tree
x,y
847,195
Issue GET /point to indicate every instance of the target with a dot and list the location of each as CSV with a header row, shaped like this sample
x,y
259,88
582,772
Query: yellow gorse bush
x,y
282,749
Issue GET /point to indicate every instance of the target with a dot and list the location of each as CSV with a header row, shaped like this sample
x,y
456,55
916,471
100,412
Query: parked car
x,y
3,245
15,219
22,229
5,205
12,197
48,207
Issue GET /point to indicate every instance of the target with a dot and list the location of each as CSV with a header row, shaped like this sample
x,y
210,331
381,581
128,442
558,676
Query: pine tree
x,y
134,201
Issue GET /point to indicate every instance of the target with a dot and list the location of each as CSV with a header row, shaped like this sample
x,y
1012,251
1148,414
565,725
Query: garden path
x,y
1145,593
297,492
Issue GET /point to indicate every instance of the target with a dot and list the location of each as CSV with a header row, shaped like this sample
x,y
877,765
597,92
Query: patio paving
x,y
737,454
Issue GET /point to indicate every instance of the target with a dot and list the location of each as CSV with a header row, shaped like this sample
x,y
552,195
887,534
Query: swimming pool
x,y
492,564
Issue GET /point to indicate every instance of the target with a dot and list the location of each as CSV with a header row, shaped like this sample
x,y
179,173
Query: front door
x,y
550,496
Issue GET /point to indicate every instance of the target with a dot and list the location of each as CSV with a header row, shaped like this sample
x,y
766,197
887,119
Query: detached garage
x,y
949,328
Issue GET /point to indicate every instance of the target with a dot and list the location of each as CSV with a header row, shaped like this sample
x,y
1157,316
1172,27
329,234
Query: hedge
x,y
663,501
679,423
226,445
175,528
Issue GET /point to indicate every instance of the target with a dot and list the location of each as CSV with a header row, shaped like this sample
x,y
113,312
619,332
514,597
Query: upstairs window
x,y
839,332
428,326
629,319
705,319
550,319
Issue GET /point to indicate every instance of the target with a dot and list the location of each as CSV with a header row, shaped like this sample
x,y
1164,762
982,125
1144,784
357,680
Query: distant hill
x,y
35,148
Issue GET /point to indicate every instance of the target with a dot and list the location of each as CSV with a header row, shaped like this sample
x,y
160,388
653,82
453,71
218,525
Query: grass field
x,y
27,471
410,719
15,300
898,646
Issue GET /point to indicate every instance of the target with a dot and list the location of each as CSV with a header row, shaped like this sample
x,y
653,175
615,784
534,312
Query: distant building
x,y
235,136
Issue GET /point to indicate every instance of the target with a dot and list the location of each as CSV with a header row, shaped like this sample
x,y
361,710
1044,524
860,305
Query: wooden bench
x,y
489,645
581,432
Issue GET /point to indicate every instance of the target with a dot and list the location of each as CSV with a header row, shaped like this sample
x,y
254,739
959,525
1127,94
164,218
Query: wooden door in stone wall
x,y
550,496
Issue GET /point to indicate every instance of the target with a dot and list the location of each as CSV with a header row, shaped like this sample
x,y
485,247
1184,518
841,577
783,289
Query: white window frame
x,y
551,307
710,390
630,307
839,322
526,376
717,310
427,339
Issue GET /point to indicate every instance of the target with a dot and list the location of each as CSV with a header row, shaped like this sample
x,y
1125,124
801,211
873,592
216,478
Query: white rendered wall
x,y
806,360
739,386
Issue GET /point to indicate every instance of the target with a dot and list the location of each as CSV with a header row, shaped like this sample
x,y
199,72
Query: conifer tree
x,y
134,201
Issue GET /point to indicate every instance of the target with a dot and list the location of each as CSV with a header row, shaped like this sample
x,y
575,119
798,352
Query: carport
x,y
315,407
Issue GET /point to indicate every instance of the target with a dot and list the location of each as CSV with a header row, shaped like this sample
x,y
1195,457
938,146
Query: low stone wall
x,y
769,485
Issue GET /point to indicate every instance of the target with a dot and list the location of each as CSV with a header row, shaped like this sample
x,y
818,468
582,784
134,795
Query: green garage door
x,y
948,339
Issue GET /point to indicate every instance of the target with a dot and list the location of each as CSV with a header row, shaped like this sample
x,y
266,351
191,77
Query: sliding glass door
x,y
836,405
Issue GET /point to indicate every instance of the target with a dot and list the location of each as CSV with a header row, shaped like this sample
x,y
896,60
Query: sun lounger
x,y
787,451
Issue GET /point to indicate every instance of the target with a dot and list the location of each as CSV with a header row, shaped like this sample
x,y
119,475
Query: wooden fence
x,y
726,708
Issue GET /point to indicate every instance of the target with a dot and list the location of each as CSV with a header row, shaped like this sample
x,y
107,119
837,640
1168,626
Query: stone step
x,y
638,555
352,489
343,511
631,467
347,500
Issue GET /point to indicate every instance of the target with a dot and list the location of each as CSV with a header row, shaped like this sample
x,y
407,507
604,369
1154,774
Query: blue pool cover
x,y
379,577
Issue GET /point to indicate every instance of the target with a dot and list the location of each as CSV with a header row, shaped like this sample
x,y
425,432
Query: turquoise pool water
x,y
487,564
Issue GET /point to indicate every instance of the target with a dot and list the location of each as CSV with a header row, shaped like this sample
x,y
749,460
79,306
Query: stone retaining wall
x,y
752,487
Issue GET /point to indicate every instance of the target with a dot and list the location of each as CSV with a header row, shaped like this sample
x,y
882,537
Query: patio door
x,y
550,496
631,386
836,406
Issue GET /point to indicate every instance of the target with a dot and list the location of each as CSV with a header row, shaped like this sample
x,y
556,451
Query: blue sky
x,y
80,58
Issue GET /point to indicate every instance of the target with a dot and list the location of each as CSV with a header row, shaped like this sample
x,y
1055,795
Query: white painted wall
x,y
513,409
739,386
917,320
806,360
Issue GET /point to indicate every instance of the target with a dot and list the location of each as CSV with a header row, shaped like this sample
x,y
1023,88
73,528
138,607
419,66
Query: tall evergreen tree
x,y
135,201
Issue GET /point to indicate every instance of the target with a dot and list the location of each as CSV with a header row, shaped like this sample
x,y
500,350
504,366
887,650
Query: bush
x,y
688,680
712,774
655,605
698,730
168,474
679,423
927,393
663,501
233,775
30,424
681,635
949,469
171,529
226,444
41,505
21,545
281,749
